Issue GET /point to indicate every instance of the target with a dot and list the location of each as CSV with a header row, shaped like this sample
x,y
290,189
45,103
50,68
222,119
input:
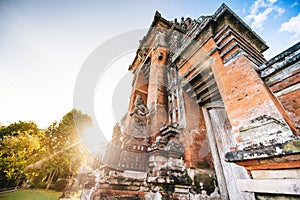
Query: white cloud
x,y
294,4
292,26
261,10
272,1
254,9
260,18
244,10
280,11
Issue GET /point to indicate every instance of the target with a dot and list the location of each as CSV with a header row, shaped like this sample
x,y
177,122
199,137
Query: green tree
x,y
18,127
42,156
20,146
65,152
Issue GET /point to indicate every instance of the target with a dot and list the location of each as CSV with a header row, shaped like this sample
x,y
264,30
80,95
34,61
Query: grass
x,y
31,194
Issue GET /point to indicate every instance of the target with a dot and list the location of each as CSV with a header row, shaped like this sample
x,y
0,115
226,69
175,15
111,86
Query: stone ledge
x,y
274,186
264,132
288,148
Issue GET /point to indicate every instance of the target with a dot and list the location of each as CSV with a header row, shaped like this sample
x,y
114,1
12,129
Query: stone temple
x,y
208,116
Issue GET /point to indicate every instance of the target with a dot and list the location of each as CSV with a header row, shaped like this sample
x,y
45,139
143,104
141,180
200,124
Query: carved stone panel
x,y
138,127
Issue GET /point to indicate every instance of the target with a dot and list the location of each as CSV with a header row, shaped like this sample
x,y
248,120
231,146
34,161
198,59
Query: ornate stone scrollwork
x,y
175,39
153,195
142,54
174,145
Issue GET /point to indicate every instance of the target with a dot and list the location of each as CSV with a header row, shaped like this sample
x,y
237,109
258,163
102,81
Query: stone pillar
x,y
157,94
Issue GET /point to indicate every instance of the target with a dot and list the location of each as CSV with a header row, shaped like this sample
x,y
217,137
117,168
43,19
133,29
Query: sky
x,y
45,46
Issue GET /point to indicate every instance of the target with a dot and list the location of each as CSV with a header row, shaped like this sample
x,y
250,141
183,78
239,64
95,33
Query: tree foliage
x,y
18,127
20,145
27,152
64,144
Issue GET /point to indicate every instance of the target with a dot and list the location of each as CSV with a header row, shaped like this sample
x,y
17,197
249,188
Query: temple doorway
x,y
221,138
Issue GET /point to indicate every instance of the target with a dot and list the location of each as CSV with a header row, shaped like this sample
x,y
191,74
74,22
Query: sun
x,y
93,139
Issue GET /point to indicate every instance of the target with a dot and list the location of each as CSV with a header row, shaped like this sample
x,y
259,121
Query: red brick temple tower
x,y
208,116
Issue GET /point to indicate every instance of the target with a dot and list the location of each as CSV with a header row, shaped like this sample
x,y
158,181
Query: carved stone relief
x,y
140,118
